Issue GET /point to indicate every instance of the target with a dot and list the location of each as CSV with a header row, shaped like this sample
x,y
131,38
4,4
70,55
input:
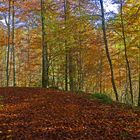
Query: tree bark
x,y
139,78
66,49
126,56
45,65
13,43
66,68
107,51
139,89
80,67
8,47
71,80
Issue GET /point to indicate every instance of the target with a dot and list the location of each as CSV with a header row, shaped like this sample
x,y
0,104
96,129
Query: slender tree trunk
x,y
71,81
66,68
10,64
45,66
13,43
69,60
66,49
126,56
80,70
28,63
80,67
139,78
120,80
107,51
100,76
53,78
8,47
139,89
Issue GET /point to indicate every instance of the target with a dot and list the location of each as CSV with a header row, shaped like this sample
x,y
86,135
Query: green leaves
x,y
103,97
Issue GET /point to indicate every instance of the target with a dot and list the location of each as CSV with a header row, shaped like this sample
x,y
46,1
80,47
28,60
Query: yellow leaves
x,y
30,5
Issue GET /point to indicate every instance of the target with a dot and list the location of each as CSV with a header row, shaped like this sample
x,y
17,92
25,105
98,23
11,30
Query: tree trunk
x,y
66,68
100,71
80,70
13,43
45,66
107,51
28,63
139,78
126,56
8,47
67,79
66,49
71,81
80,67
139,89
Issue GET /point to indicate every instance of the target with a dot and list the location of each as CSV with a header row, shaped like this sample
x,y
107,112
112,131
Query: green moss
x,y
103,97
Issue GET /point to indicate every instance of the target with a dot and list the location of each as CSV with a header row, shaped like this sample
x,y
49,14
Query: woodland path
x,y
41,114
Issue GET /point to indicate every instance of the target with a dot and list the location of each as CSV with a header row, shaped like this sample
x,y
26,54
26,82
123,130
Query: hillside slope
x,y
40,114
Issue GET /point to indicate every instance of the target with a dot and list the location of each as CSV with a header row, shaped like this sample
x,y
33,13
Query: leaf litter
x,y
43,114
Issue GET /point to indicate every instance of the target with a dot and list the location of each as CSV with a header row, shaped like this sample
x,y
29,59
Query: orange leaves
x,y
39,113
3,9
30,5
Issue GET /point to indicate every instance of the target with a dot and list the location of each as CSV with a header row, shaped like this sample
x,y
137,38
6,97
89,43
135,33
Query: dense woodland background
x,y
72,45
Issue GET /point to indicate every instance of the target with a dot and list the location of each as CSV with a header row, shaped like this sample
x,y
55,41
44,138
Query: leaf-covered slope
x,y
40,114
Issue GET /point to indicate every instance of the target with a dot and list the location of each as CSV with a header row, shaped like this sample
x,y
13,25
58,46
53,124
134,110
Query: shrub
x,y
103,97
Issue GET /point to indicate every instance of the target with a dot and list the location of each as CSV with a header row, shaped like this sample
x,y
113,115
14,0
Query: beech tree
x,y
60,44
13,42
8,43
107,51
45,65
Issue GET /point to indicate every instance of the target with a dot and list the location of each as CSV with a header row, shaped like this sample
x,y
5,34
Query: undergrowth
x,y
102,97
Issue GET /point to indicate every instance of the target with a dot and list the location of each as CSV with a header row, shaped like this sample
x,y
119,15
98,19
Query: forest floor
x,y
41,114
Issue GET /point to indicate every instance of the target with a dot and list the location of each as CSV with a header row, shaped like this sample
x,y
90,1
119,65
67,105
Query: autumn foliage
x,y
64,63
39,114
60,44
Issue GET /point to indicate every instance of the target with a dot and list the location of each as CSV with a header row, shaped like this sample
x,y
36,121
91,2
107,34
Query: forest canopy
x,y
72,45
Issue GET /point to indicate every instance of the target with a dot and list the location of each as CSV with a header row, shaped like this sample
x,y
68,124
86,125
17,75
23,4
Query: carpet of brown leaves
x,y
41,114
